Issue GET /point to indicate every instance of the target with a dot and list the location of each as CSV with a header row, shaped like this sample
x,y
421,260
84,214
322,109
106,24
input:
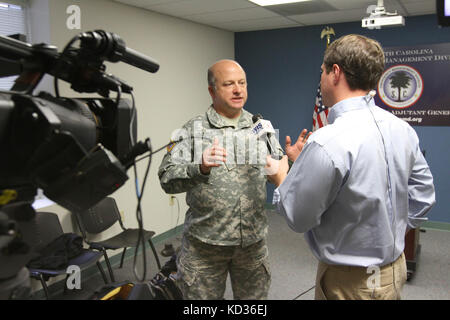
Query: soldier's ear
x,y
212,91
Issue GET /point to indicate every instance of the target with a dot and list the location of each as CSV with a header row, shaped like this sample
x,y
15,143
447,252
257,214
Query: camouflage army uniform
x,y
226,225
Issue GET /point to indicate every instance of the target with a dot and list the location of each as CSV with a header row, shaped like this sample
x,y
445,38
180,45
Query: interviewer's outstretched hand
x,y
293,151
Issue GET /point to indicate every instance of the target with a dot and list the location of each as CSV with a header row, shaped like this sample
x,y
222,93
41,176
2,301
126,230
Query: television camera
x,y
76,150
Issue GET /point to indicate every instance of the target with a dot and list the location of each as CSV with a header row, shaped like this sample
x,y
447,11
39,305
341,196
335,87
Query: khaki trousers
x,y
335,282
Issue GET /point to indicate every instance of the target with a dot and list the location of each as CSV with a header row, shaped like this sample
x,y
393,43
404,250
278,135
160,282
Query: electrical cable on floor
x,y
304,292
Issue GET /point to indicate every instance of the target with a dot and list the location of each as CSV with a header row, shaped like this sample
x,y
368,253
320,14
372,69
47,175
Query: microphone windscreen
x,y
256,117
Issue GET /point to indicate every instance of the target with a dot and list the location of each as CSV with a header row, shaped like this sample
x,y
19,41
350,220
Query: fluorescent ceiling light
x,y
274,2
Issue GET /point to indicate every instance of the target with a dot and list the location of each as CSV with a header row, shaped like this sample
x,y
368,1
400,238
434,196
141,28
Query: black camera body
x,y
70,148
73,149
76,150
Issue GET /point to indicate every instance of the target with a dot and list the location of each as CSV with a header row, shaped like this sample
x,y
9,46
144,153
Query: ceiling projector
x,y
379,18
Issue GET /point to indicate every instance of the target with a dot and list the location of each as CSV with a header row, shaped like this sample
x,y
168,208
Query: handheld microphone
x,y
263,128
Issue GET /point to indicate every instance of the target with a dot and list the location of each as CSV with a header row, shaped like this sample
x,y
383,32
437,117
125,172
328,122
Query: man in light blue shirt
x,y
359,183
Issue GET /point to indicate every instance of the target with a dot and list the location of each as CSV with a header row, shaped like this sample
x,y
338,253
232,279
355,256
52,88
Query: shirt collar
x,y
213,117
350,104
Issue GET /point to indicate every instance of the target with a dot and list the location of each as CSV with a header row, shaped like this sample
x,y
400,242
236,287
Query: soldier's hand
x,y
213,157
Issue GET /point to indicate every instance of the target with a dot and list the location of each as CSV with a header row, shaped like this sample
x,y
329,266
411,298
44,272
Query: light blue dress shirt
x,y
357,186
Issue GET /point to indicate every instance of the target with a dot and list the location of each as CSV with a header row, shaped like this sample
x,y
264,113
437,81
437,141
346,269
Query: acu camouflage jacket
x,y
226,207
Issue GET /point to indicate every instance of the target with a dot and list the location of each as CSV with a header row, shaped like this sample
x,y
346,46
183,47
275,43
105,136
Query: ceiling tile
x,y
420,8
145,3
329,17
350,4
232,15
301,7
412,1
257,24
243,15
191,7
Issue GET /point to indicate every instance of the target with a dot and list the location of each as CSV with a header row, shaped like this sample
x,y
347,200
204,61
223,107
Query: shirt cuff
x,y
414,223
195,173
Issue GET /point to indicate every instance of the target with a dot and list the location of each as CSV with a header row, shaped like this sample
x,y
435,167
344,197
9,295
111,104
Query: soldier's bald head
x,y
218,67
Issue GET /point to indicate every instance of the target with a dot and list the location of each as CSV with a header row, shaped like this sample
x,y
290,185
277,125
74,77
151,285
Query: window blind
x,y
12,21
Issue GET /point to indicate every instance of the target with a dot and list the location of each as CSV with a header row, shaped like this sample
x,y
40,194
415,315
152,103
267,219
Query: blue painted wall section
x,y
283,73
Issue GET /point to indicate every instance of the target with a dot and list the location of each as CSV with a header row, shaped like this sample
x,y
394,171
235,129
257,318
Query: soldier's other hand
x,y
213,157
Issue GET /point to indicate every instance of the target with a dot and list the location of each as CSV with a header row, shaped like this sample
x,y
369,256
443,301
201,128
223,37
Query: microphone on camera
x,y
263,129
111,47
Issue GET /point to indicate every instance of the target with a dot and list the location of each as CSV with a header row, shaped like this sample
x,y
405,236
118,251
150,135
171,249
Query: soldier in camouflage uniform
x,y
220,165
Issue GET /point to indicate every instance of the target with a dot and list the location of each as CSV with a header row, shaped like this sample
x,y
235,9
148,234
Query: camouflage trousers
x,y
203,270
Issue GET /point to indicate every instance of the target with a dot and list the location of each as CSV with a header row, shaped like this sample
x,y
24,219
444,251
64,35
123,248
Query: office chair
x,y
101,217
48,229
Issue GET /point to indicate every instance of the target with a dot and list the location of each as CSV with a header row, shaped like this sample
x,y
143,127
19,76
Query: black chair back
x,y
54,259
48,228
100,217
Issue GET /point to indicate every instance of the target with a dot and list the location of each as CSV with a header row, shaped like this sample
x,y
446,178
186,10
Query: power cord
x,y
169,250
304,292
139,196
158,150
63,54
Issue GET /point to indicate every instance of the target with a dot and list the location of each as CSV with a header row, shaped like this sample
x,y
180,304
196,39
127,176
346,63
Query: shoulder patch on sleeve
x,y
171,145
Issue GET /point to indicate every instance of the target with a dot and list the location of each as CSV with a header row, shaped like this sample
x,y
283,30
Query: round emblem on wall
x,y
400,86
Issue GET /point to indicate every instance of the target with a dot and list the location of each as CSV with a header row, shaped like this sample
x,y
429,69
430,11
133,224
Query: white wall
x,y
39,29
165,100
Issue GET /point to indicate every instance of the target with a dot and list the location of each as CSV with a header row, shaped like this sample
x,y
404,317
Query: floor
x,y
293,267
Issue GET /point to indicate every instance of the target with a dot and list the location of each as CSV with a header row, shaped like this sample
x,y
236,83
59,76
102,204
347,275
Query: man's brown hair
x,y
360,58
